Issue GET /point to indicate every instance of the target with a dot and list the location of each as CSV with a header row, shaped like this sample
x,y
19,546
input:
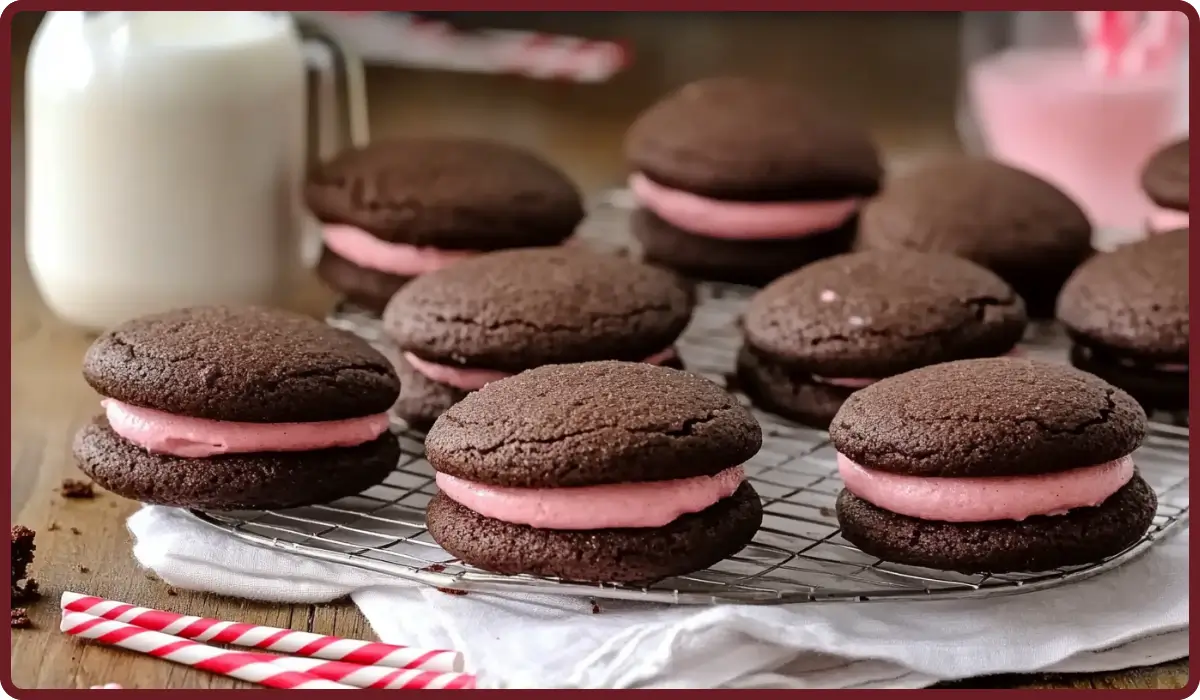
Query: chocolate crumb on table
x,y
172,591
83,569
451,591
595,607
77,488
19,619
76,531
53,527
22,557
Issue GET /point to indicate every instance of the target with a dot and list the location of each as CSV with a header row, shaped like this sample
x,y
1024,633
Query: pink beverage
x,y
1045,111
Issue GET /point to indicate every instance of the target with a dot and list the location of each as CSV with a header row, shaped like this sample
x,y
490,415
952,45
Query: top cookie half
x,y
593,423
744,139
518,309
247,364
447,193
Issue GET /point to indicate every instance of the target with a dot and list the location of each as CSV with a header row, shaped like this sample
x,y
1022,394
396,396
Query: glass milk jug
x,y
166,153
1081,99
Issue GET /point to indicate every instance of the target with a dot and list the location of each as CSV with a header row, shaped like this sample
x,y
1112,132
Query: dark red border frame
x,y
6,25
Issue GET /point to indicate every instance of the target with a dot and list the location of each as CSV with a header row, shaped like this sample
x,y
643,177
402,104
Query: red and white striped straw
x,y
306,644
358,676
1105,35
1124,42
235,664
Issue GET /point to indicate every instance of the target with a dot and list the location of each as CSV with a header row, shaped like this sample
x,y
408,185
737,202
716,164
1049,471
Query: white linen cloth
x,y
1135,615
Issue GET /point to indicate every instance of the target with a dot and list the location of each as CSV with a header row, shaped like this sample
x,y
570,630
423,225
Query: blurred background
x,y
897,71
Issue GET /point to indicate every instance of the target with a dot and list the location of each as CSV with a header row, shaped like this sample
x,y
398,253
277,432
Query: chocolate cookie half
x,y
1017,225
237,408
816,335
609,472
1166,179
991,465
1127,312
501,313
744,180
400,208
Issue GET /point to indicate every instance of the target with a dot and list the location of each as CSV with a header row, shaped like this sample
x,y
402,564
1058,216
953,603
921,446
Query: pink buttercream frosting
x,y
740,220
469,379
183,436
643,504
365,250
1163,220
985,499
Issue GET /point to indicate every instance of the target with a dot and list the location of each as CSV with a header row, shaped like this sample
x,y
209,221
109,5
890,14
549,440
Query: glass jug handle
x,y
338,111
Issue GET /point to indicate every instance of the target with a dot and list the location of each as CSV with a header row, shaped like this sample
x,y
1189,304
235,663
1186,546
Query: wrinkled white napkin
x,y
1135,615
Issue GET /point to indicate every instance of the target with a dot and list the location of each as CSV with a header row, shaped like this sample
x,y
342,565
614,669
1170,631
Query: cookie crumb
x,y
435,568
172,591
52,527
22,556
76,531
77,488
83,569
452,591
18,619
595,606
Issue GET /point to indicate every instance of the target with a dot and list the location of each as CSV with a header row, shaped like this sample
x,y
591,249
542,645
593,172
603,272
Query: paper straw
x,y
306,644
235,664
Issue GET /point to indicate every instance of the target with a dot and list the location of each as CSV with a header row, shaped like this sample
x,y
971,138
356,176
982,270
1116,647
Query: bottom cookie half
x,y
232,482
690,543
1040,543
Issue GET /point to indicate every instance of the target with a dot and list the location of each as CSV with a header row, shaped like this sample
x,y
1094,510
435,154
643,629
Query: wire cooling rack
x,y
797,556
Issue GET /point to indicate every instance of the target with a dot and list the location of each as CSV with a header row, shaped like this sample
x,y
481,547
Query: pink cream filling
x,y
183,436
1163,220
469,379
985,499
365,250
644,504
740,220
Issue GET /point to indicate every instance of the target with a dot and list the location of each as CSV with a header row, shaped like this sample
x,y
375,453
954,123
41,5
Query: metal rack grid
x,y
797,556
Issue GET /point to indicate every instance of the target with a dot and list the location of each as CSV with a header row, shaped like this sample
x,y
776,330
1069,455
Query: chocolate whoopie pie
x,y
991,465
741,180
817,335
1165,179
1017,225
397,209
498,314
1127,313
601,471
230,408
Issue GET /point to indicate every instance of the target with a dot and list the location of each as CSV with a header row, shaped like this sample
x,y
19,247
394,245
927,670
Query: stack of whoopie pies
x,y
237,408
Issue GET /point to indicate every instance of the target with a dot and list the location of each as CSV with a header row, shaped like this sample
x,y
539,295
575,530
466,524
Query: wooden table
x,y
83,544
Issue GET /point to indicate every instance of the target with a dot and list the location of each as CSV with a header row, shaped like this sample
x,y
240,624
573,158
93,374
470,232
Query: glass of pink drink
x,y
1036,96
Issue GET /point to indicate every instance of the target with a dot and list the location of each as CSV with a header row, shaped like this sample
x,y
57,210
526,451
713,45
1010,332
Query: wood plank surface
x,y
899,73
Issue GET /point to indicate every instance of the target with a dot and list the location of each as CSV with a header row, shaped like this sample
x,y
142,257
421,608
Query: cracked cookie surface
x,y
517,309
988,417
249,364
593,423
876,314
